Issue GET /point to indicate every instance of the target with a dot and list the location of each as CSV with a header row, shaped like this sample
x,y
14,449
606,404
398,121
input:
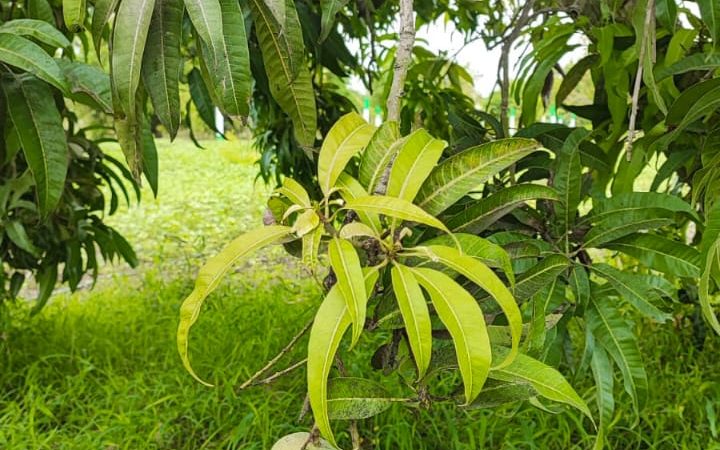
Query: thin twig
x,y
647,33
252,380
277,375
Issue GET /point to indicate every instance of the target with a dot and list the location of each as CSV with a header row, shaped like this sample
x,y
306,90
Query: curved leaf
x,y
464,319
74,14
294,192
39,127
540,275
210,276
162,62
37,29
88,84
634,290
611,226
348,136
351,398
710,13
41,10
329,8
661,254
574,76
416,158
346,265
311,248
697,61
30,57
602,370
465,171
567,180
394,207
350,188
201,98
331,322
712,262
378,154
414,311
101,15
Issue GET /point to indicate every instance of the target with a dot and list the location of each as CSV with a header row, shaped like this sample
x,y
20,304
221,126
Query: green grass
x,y
99,370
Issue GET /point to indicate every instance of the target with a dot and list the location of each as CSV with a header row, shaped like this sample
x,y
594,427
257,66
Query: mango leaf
x,y
634,290
464,319
647,40
17,234
350,188
602,370
357,229
545,380
416,158
573,77
497,393
294,192
162,62
580,285
661,254
46,278
712,262
37,29
378,154
30,57
150,164
305,222
329,8
567,180
210,275
300,440
346,264
710,13
480,274
290,84
484,212
206,18
613,333
331,322
682,106
666,13
351,398
461,173
348,136
130,32
394,207
610,226
39,127
74,14
416,317
101,15
540,275
41,10
311,248
88,84
697,61
201,98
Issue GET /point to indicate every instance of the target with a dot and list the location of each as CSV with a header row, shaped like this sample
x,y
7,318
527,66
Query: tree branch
x,y
402,58
504,64
647,34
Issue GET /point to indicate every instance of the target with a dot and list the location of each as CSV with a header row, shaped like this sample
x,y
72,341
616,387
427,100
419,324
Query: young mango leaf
x,y
464,319
357,229
346,264
348,136
480,274
281,46
331,322
306,222
486,211
545,380
329,8
39,127
294,192
130,32
567,180
612,332
377,155
162,62
394,207
661,254
210,275
416,158
350,189
311,248
456,176
351,398
74,14
102,12
634,290
416,317
37,29
30,57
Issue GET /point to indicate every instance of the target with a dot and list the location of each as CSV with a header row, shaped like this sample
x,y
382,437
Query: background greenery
x,y
99,370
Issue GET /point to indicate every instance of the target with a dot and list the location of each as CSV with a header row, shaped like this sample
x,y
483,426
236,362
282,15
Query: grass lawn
x,y
99,370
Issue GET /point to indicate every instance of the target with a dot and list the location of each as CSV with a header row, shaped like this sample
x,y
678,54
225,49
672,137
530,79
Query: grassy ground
x,y
99,370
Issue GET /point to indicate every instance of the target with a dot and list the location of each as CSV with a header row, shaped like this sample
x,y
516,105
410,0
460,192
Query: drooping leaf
x,y
162,62
661,254
696,61
416,317
36,29
666,13
546,381
88,84
573,77
416,158
329,8
348,136
74,14
150,164
311,248
346,265
351,398
634,290
18,235
331,322
616,337
41,10
101,15
378,154
46,278
283,53
464,319
395,208
39,127
210,276
567,180
30,57
201,98
712,263
710,13
130,32
484,212
614,225
465,171
477,272
602,370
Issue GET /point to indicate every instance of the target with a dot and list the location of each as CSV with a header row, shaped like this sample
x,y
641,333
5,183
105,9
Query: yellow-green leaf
x,y
378,153
350,189
464,319
210,276
415,315
394,207
294,192
416,158
74,14
346,265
